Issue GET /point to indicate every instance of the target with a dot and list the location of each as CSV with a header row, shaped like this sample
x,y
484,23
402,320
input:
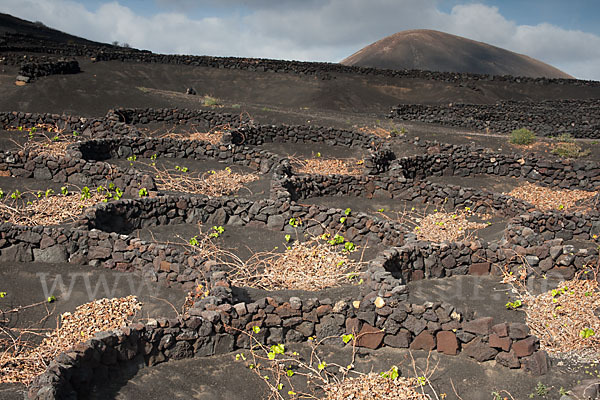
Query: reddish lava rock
x,y
501,329
537,364
499,343
480,326
399,340
447,343
369,337
424,341
478,350
479,269
525,347
509,360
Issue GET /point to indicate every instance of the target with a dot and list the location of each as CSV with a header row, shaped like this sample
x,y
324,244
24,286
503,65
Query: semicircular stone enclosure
x,y
236,218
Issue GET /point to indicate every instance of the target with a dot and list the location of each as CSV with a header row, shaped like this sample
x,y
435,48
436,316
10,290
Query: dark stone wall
x,y
580,118
37,69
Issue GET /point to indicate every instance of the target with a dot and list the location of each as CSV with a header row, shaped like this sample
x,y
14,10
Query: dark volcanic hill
x,y
17,29
438,51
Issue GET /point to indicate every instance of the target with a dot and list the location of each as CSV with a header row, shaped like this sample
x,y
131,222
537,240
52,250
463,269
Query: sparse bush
x,y
567,148
522,136
210,101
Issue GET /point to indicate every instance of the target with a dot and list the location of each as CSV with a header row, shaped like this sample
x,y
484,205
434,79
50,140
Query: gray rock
x,y
52,254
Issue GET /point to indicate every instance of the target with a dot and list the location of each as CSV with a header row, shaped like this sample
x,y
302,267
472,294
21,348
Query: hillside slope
x,y
438,51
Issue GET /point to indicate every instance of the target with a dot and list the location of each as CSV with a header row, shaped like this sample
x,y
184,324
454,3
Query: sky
x,y
565,34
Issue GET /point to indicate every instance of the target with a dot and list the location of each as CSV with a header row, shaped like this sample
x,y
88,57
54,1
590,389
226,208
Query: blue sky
x,y
565,34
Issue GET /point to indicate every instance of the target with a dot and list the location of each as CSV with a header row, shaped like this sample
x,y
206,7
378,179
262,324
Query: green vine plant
x,y
281,369
216,232
513,305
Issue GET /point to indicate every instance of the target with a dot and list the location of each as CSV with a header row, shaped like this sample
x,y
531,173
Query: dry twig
x,y
312,265
22,362
553,199
328,166
213,183
564,319
47,210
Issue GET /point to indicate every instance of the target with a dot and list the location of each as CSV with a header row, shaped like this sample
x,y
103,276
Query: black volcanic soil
x,y
104,85
240,240
222,378
73,285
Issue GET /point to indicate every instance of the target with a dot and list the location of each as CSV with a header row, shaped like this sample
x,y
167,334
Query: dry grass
x,y
312,265
373,386
212,136
213,183
559,320
47,210
561,317
45,139
330,166
444,226
22,362
440,225
547,199
376,131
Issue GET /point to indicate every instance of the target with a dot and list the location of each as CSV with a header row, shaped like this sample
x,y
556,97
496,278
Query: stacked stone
x,y
72,170
87,127
37,69
546,118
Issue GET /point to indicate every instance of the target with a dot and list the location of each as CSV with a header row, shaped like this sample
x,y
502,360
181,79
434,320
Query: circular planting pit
x,y
48,292
203,177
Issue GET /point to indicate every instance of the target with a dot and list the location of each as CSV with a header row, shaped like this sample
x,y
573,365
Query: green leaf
x,y
278,348
255,329
51,299
2,294
322,365
347,338
347,211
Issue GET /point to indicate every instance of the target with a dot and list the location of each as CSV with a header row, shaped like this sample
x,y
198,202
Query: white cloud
x,y
326,30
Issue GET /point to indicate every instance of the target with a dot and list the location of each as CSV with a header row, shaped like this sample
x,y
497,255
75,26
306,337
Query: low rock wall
x,y
580,118
72,170
37,69
450,197
467,161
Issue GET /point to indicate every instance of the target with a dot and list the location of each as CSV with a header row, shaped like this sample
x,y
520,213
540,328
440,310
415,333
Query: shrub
x,y
567,148
522,136
210,101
